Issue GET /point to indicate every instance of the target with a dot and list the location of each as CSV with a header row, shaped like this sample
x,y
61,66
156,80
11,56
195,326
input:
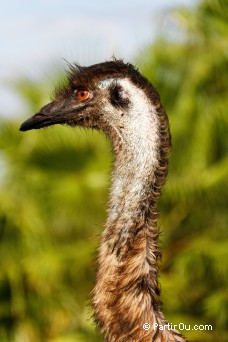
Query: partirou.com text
x,y
181,326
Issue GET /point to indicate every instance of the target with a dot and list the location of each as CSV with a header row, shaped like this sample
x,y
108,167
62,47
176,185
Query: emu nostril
x,y
38,116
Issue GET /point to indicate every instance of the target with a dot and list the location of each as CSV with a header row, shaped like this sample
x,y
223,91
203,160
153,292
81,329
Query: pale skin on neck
x,y
135,161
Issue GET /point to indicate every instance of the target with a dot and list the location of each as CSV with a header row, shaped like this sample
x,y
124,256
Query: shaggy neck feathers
x,y
126,294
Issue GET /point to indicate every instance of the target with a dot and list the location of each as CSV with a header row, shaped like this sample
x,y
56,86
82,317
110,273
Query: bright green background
x,y
54,190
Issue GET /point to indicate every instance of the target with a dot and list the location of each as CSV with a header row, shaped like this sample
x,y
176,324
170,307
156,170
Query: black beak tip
x,y
22,127
27,125
35,122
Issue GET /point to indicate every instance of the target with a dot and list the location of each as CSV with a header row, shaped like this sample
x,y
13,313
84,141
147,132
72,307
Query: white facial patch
x,y
141,126
105,83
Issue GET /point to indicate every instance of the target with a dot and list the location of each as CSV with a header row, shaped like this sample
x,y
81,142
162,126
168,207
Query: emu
x,y
116,99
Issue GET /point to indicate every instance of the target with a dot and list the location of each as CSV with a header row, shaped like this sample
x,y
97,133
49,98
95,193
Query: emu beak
x,y
50,114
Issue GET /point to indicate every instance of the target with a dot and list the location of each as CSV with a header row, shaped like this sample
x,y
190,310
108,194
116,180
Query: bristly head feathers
x,y
88,77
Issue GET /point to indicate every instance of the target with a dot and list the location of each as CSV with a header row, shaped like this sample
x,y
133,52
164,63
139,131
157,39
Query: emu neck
x,y
126,295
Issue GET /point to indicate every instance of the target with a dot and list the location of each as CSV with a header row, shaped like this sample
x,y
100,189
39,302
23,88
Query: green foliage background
x,y
54,190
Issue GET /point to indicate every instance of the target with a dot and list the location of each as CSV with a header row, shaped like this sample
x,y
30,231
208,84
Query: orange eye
x,y
82,95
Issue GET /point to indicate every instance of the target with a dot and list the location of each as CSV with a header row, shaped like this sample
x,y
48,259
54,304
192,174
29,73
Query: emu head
x,y
111,96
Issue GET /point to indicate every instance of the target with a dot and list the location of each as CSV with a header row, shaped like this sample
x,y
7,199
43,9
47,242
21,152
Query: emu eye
x,y
82,95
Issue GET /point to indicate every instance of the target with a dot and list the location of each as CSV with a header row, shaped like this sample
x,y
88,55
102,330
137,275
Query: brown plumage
x,y
115,98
